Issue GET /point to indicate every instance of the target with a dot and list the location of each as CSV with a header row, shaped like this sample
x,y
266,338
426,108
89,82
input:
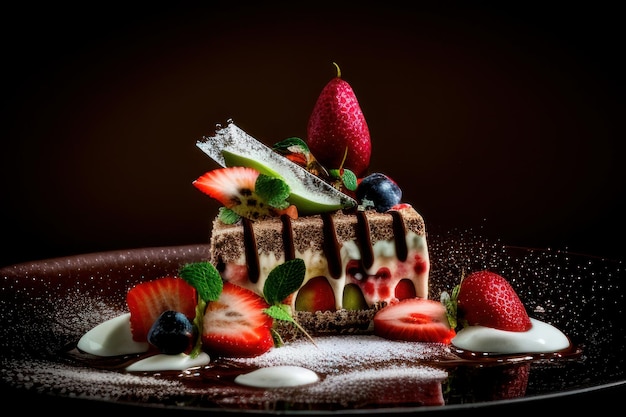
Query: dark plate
x,y
47,305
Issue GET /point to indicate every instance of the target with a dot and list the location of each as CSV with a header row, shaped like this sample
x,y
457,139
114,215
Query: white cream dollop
x,y
541,338
163,362
278,377
112,338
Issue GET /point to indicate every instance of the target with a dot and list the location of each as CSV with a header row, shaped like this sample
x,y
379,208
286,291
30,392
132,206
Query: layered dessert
x,y
355,262
315,267
314,200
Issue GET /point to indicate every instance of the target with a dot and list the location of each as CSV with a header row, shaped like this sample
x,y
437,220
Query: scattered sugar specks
x,y
335,354
60,379
46,310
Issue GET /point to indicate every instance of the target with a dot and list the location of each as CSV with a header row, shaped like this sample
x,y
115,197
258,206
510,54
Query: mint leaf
x,y
293,145
349,179
204,278
227,216
273,190
283,280
279,312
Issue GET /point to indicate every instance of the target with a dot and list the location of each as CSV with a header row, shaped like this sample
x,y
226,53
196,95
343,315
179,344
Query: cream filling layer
x,y
375,287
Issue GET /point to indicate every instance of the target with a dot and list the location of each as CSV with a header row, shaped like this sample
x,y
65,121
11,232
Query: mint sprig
x,y
282,281
205,278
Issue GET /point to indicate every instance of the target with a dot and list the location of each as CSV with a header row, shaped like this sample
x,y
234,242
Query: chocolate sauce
x,y
399,234
365,240
331,246
252,254
288,245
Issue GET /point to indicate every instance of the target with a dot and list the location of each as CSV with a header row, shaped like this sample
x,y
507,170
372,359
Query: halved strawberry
x,y
147,300
235,188
230,186
414,320
235,325
487,299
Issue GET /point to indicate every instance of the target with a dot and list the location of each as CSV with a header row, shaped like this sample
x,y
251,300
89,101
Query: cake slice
x,y
356,262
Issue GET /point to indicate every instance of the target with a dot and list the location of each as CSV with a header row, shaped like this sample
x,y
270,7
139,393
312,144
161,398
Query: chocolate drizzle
x,y
399,233
365,240
331,246
288,245
252,255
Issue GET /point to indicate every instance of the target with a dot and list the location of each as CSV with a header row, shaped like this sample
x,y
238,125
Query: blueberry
x,y
172,333
378,191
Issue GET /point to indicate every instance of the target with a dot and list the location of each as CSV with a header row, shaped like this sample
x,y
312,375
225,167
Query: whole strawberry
x,y
338,134
487,299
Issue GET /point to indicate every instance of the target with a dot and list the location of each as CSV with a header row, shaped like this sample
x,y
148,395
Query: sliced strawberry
x,y
229,186
235,325
147,300
235,187
487,299
414,320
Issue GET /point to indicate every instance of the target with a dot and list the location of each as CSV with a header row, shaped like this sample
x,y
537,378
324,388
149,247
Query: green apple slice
x,y
231,146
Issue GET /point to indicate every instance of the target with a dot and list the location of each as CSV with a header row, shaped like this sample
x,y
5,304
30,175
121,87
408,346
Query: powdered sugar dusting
x,y
334,354
56,378
48,306
354,371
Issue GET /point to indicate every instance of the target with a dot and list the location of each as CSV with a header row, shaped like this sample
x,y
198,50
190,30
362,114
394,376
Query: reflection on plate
x,y
46,306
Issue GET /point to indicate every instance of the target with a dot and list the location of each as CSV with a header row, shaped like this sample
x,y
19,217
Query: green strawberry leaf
x,y
450,302
273,190
228,216
283,280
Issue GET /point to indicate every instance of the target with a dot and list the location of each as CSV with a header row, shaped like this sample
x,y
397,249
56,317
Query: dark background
x,y
503,119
